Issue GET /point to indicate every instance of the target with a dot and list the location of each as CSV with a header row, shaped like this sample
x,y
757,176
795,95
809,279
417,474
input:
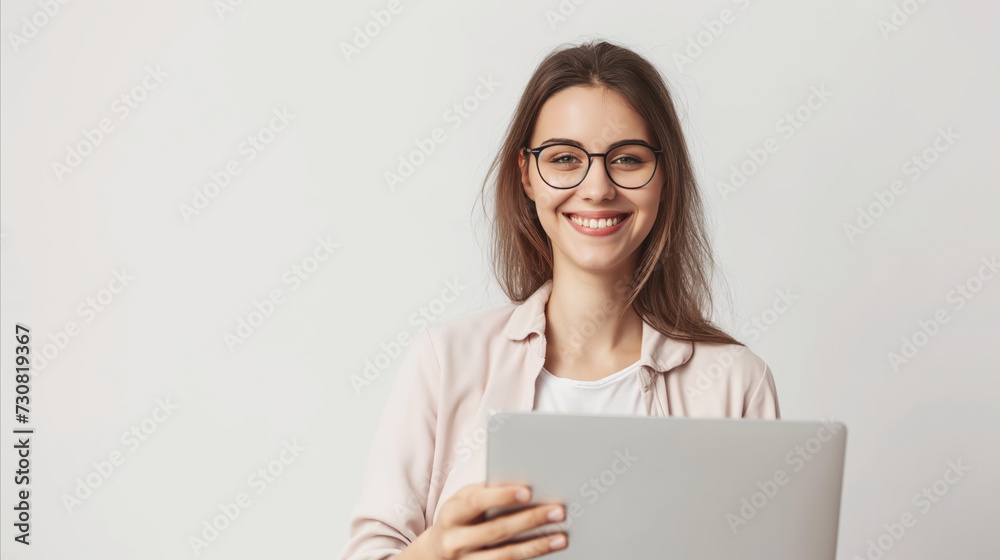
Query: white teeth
x,y
595,223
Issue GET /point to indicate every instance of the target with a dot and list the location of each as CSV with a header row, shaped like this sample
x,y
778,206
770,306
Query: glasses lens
x,y
562,166
630,166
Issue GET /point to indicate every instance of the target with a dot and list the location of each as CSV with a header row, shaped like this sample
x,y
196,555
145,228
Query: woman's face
x,y
595,118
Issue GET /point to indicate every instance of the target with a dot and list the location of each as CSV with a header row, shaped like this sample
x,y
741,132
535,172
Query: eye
x,y
564,158
628,160
631,157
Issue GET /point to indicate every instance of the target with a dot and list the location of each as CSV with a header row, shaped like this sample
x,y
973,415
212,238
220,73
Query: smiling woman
x,y
600,245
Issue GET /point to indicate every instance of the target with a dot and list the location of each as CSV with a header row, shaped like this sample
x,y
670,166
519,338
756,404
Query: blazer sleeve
x,y
762,401
391,511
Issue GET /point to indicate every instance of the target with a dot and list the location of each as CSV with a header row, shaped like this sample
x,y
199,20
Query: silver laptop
x,y
637,487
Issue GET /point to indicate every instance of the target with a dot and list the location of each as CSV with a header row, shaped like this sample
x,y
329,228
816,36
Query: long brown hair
x,y
670,288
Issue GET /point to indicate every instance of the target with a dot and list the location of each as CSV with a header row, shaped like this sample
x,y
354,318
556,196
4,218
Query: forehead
x,y
593,116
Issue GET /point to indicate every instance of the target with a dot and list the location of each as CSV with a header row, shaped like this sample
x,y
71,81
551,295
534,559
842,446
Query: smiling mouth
x,y
598,223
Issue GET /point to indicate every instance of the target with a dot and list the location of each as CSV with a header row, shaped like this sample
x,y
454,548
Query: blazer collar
x,y
659,351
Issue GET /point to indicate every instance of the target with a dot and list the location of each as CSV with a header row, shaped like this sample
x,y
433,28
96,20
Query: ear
x,y
523,161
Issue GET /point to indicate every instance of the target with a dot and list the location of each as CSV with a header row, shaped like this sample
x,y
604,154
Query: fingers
x,y
465,531
528,549
472,501
506,527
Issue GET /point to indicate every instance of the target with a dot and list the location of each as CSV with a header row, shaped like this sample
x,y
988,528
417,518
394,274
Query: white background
x,y
322,176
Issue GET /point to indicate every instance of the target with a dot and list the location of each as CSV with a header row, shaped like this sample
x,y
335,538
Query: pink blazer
x,y
431,439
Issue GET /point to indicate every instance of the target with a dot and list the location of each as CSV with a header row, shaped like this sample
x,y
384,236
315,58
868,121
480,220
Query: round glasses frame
x,y
590,162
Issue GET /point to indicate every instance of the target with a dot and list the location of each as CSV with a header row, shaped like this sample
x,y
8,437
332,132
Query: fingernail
x,y
522,495
556,515
557,541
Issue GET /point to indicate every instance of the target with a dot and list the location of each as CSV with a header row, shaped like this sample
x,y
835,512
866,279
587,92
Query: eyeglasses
x,y
630,166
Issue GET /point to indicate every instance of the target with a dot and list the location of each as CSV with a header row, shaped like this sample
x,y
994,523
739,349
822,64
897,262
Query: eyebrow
x,y
580,145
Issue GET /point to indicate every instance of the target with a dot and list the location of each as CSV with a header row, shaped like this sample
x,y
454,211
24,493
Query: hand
x,y
462,531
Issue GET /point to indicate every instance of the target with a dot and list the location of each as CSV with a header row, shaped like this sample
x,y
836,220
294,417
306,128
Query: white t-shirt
x,y
618,393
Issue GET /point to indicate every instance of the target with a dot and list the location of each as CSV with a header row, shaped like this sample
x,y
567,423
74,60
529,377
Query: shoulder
x,y
469,351
440,355
734,374
735,358
733,366
474,328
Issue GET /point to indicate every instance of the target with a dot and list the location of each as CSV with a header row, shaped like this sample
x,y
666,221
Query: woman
x,y
600,245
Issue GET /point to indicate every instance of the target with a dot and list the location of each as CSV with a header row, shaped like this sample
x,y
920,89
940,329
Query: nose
x,y
597,185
